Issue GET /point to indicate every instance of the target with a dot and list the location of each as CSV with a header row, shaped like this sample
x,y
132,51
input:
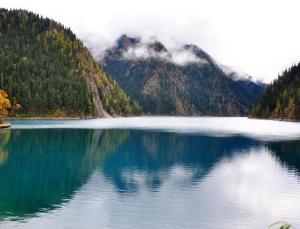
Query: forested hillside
x,y
185,82
44,67
281,100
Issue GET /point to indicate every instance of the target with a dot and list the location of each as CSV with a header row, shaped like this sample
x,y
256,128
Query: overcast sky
x,y
259,37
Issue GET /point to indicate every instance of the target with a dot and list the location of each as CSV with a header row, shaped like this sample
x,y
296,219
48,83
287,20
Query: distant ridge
x,y
185,81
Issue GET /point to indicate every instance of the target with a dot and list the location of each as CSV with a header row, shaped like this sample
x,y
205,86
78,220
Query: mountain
x,y
48,70
180,81
281,100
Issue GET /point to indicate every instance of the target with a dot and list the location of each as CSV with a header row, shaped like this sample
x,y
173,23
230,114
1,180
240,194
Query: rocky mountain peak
x,y
124,42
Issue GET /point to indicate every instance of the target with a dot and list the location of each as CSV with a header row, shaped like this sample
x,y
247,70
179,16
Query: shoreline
x,y
137,116
47,118
144,116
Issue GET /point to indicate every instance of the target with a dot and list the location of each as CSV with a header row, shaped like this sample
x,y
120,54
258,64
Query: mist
x,y
256,37
173,52
265,130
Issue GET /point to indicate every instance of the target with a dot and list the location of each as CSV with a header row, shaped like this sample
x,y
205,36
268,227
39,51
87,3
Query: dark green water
x,y
78,178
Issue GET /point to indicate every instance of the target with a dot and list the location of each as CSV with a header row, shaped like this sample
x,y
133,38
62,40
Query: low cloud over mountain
x,y
178,78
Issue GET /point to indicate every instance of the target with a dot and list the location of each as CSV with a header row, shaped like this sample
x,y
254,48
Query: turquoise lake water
x,y
54,174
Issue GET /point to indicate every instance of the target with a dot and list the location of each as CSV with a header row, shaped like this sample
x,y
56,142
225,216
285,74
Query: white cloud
x,y
235,74
259,37
184,57
141,51
175,53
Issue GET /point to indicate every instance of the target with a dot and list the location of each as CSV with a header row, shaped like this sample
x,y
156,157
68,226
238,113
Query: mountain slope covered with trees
x,y
185,82
281,100
44,67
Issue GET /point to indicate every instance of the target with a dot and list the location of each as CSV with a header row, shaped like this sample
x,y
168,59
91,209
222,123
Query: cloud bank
x,y
175,53
254,36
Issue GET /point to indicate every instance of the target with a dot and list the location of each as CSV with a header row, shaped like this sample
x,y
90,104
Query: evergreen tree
x,y
45,68
281,100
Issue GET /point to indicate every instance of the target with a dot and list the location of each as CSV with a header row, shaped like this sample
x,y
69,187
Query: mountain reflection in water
x,y
43,170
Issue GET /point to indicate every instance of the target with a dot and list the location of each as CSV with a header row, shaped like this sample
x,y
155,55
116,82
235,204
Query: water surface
x,y
68,177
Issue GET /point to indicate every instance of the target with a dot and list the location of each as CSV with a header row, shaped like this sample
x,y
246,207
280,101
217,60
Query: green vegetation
x,y
281,100
281,225
46,68
163,87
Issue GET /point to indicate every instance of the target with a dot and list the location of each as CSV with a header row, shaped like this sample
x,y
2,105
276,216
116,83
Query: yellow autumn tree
x,y
5,105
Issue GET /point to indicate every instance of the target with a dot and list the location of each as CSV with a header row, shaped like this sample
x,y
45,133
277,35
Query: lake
x,y
149,172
